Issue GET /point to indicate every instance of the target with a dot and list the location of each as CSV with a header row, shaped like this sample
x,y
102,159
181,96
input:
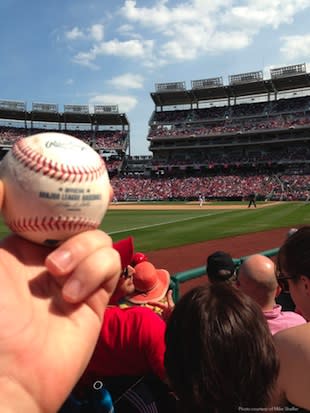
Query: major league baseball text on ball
x,y
55,186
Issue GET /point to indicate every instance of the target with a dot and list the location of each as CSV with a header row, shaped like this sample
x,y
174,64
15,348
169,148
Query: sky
x,y
114,52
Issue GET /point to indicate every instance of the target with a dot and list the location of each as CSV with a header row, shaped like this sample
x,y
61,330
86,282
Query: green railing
x,y
182,277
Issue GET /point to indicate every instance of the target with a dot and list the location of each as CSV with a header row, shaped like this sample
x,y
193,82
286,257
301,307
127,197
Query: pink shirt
x,y
279,320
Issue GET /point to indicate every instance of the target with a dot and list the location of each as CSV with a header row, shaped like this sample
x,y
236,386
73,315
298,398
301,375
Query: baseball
x,y
55,186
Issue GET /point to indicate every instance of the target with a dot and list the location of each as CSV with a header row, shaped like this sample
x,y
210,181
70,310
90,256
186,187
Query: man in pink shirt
x,y
257,279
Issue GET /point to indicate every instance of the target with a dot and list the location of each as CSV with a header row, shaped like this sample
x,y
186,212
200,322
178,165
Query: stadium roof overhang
x,y
250,88
234,90
110,119
221,92
169,98
13,114
69,117
44,117
52,117
299,81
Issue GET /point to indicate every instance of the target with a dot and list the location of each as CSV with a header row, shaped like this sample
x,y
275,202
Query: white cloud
x,y
254,15
229,41
296,47
162,34
125,103
69,82
129,48
86,59
188,30
96,32
129,31
197,27
74,34
127,81
160,16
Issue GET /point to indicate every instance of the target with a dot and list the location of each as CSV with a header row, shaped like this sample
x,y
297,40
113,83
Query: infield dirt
x,y
188,206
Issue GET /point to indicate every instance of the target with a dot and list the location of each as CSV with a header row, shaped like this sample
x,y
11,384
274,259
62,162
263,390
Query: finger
x,y
70,253
101,269
170,301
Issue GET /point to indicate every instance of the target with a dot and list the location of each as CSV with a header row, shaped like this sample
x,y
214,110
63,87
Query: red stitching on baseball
x,y
36,224
38,163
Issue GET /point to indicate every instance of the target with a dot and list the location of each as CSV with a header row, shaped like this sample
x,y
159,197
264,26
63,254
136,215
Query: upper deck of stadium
x,y
282,79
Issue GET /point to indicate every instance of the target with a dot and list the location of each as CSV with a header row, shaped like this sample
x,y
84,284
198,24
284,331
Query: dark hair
x,y
294,255
222,276
220,355
220,267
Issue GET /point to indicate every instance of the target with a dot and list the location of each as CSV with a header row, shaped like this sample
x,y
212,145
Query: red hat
x,y
150,283
125,250
138,257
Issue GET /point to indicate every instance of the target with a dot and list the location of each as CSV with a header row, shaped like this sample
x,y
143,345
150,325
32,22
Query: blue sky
x,y
113,52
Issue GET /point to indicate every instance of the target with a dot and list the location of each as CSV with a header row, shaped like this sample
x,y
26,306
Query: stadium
x,y
221,141
217,141
214,142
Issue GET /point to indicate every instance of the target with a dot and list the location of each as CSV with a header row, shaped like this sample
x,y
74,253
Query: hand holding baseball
x,y
55,186
50,300
52,303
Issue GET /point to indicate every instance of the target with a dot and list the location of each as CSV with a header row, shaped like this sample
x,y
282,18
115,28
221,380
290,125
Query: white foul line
x,y
164,223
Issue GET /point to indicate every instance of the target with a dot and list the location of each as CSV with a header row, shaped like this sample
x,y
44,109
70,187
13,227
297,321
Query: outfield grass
x,y
157,229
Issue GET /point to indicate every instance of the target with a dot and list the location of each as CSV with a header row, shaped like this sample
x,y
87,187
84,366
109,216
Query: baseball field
x,y
157,226
178,236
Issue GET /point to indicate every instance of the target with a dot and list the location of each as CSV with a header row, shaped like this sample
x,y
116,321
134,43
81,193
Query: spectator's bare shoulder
x,y
293,337
293,348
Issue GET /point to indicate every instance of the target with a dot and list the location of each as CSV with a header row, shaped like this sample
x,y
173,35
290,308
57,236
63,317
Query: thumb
x,y
170,299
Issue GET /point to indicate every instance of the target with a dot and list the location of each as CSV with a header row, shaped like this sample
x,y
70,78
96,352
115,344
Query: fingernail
x,y
60,259
72,289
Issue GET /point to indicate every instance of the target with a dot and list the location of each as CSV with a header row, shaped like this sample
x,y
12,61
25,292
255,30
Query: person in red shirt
x,y
131,343
128,359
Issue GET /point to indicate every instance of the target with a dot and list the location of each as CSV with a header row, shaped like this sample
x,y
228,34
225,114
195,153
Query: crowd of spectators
x,y
113,139
231,186
170,362
230,161
299,105
287,187
292,187
230,126
235,157
211,135
101,140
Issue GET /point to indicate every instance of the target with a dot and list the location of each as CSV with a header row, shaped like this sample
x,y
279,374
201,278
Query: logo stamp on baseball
x,y
55,186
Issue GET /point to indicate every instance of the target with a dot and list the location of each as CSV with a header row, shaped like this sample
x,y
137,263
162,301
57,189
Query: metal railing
x,y
181,277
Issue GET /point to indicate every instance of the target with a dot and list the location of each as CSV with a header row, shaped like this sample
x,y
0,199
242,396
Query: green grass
x,y
158,229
